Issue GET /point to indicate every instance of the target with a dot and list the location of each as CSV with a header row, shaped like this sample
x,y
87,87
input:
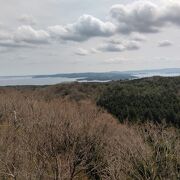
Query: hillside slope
x,y
155,99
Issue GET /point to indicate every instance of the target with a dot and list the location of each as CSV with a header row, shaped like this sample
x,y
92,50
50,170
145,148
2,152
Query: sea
x,y
30,80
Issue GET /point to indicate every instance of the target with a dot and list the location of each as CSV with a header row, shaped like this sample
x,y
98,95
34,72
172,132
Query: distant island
x,y
115,75
85,77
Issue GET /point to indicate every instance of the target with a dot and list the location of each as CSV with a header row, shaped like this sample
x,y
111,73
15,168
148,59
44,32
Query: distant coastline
x,y
85,77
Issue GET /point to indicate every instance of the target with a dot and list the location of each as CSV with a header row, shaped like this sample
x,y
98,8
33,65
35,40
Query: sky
x,y
64,36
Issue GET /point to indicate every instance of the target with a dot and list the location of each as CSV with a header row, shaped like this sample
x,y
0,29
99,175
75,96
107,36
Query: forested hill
x,y
154,99
48,132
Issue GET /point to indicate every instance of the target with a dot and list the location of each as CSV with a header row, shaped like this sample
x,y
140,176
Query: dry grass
x,y
65,140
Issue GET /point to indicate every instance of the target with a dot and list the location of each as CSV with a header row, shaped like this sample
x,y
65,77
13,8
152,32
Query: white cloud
x,y
145,16
86,27
24,36
82,52
165,43
94,51
139,16
136,18
29,35
138,37
85,52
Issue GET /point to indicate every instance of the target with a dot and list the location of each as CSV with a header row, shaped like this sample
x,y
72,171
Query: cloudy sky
x,y
57,36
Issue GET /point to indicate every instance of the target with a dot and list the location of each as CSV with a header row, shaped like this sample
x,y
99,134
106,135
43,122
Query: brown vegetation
x,y
57,138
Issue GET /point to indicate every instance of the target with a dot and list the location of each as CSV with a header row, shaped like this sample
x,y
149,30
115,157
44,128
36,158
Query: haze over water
x,y
31,80
13,81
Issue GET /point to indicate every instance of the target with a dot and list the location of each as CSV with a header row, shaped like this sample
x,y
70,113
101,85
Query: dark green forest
x,y
151,99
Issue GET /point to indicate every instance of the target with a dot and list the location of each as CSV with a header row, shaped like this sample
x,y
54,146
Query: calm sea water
x,y
28,80
12,81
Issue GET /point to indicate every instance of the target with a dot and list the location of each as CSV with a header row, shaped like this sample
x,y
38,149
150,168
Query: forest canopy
x,y
154,99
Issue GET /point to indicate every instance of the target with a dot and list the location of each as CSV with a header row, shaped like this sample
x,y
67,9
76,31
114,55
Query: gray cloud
x,y
82,52
7,41
145,16
139,16
27,19
109,47
136,18
165,43
86,27
10,44
132,45
3,50
119,46
5,36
